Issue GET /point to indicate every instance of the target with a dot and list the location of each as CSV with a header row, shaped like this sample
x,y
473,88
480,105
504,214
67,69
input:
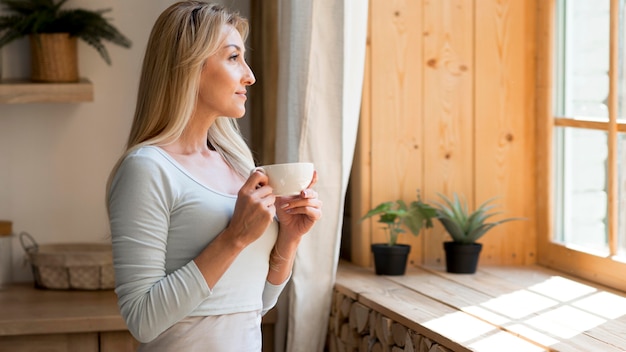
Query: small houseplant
x,y
465,227
53,32
390,258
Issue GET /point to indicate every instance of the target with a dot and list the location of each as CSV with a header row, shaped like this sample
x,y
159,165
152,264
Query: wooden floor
x,y
517,308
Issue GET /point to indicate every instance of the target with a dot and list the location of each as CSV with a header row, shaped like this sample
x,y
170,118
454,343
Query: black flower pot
x,y
462,258
390,260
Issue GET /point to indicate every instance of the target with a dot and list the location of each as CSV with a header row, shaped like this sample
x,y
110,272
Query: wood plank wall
x,y
448,107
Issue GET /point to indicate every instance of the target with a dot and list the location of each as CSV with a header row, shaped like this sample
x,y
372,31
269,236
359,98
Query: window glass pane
x,y
583,59
621,177
621,115
580,189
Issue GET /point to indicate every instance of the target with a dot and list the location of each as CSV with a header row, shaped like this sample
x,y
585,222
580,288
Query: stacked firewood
x,y
354,327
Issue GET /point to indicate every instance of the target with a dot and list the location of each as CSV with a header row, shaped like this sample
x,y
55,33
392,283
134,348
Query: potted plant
x,y
390,258
465,228
53,34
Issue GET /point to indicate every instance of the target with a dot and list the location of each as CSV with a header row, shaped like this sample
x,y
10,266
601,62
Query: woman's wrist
x,y
281,259
277,260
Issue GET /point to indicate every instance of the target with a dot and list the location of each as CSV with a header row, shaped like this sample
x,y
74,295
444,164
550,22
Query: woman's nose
x,y
248,77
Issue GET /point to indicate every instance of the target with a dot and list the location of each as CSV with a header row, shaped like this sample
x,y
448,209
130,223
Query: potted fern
x,y
53,33
465,227
390,258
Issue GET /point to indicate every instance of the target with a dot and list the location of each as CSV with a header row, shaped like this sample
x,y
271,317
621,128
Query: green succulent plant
x,y
397,215
465,226
25,17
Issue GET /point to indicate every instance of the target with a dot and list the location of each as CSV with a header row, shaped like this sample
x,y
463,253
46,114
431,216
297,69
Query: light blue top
x,y
161,218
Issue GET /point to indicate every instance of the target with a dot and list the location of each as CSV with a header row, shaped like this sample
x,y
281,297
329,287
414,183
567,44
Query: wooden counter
x,y
31,319
73,321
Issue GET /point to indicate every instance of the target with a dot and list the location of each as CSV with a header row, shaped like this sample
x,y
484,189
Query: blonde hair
x,y
183,36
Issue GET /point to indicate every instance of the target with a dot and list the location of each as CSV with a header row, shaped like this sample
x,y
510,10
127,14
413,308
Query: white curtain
x,y
321,57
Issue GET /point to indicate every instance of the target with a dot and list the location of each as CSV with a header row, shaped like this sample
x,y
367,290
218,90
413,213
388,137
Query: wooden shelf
x,y
23,91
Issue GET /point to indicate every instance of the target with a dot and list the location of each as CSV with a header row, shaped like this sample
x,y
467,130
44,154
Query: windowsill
x,y
527,308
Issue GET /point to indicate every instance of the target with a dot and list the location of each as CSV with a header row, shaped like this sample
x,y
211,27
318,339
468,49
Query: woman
x,y
198,254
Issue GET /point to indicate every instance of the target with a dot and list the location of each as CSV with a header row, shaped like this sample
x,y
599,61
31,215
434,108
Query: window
x,y
585,230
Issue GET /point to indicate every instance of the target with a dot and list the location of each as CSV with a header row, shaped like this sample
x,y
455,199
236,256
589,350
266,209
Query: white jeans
x,y
239,332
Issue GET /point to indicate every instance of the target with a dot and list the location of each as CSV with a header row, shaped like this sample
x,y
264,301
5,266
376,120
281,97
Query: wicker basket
x,y
70,266
54,57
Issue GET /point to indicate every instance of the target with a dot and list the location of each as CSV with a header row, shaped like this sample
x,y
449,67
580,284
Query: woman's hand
x,y
254,209
254,212
296,217
298,214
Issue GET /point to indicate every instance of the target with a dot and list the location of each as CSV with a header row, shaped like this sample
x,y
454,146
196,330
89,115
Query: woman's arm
x,y
139,208
296,216
254,212
140,203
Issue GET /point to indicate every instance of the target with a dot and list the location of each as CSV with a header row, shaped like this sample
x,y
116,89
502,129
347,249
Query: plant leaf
x,y
380,208
465,226
453,229
26,17
419,215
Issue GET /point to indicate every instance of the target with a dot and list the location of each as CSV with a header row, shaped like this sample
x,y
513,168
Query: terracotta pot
x,y
462,258
390,260
54,57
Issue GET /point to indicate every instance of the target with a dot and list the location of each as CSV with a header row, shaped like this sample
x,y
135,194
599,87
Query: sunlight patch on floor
x,y
532,334
565,322
459,327
503,341
487,315
519,304
604,304
562,289
549,310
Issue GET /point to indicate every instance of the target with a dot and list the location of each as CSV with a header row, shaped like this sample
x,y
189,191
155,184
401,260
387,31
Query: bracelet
x,y
273,265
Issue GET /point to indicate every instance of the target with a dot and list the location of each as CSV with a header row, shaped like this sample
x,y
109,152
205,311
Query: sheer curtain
x,y
321,56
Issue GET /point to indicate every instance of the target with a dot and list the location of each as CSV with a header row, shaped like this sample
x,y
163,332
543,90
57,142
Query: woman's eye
x,y
234,57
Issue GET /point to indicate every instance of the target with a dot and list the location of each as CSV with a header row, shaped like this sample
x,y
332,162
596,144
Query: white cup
x,y
288,179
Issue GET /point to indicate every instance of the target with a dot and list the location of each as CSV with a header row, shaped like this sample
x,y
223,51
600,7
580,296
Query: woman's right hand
x,y
254,209
253,214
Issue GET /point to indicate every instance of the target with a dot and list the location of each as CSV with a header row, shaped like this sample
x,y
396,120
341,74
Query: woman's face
x,y
224,78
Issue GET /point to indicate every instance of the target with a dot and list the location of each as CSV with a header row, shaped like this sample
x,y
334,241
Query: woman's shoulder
x,y
142,174
146,159
147,151
146,155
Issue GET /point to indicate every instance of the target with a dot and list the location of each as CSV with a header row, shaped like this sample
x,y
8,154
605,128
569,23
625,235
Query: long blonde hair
x,y
183,36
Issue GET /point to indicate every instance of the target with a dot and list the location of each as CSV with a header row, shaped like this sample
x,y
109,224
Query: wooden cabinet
x,y
50,320
87,342
112,341
33,320
115,341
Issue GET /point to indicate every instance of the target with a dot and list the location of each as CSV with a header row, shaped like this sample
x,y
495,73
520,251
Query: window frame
x,y
604,270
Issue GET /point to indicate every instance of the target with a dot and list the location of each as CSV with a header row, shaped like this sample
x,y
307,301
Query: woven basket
x,y
54,58
70,266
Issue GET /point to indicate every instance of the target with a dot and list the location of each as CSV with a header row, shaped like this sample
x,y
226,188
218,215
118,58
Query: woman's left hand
x,y
298,214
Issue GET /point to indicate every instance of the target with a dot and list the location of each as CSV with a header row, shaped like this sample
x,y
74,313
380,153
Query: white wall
x,y
55,158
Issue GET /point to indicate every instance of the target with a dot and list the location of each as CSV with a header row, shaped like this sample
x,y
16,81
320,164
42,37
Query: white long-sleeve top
x,y
161,218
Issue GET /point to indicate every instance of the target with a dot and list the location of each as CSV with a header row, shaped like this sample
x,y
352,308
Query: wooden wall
x,y
448,107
